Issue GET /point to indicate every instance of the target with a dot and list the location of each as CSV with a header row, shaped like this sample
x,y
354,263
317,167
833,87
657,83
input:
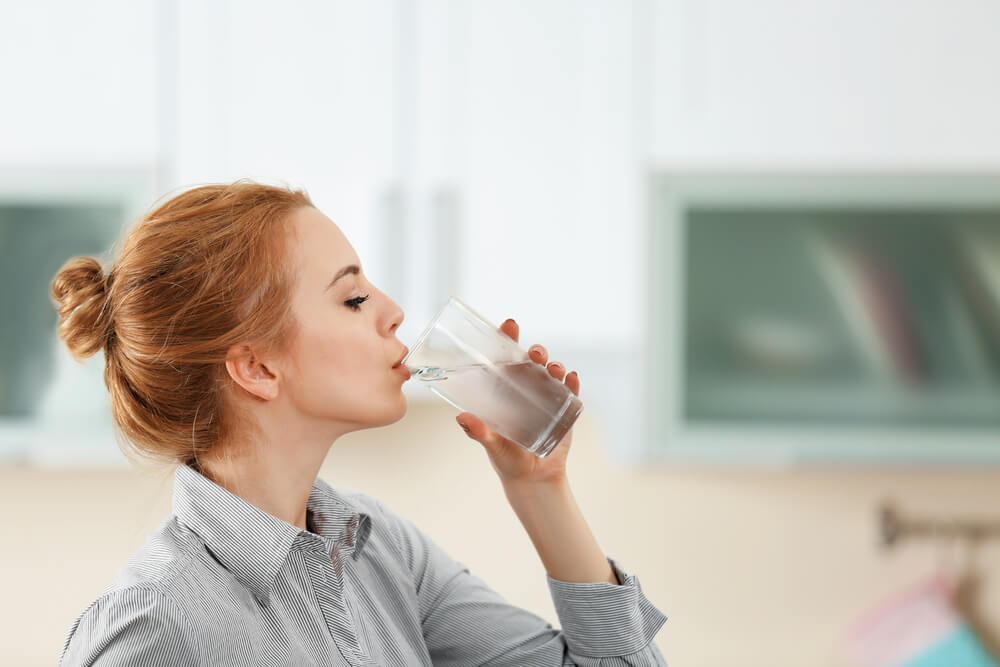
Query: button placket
x,y
353,609
339,618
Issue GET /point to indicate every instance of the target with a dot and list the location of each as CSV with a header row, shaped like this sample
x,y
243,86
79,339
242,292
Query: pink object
x,y
902,627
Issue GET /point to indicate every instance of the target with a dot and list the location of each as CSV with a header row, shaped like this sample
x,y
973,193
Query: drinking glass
x,y
466,360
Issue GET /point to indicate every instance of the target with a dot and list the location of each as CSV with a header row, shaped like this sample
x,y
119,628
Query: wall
x,y
821,84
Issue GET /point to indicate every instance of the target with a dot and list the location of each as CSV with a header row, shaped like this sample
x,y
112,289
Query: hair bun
x,y
80,291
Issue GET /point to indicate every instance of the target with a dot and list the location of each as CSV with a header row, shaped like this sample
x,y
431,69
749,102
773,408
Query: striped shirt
x,y
221,582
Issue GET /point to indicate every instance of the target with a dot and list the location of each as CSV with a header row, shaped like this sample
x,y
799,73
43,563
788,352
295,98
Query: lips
x,y
406,351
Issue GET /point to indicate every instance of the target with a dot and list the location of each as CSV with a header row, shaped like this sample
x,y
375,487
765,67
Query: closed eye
x,y
355,303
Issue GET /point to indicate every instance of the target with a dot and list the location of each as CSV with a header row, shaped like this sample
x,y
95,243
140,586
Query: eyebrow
x,y
349,269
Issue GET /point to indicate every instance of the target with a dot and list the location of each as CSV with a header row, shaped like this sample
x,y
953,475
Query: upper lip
x,y
406,351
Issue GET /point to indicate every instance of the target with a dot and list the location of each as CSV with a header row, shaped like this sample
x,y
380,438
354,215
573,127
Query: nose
x,y
397,317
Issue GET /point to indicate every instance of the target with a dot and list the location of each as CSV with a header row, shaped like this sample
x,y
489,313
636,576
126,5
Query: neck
x,y
277,480
274,466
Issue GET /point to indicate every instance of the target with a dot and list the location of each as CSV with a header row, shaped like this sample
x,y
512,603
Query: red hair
x,y
206,270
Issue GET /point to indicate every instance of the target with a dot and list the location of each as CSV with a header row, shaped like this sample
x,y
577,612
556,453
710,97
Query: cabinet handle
x,y
445,228
391,236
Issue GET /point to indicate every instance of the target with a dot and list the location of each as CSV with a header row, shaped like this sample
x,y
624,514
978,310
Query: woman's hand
x,y
514,464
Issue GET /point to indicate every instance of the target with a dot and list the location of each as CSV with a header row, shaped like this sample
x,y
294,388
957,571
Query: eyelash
x,y
356,302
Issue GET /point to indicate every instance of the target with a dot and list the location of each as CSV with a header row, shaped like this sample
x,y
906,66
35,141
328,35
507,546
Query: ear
x,y
251,373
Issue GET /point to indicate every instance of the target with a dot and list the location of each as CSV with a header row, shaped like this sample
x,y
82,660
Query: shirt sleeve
x,y
592,631
465,622
131,626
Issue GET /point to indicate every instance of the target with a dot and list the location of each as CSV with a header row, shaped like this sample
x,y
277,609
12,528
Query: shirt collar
x,y
253,544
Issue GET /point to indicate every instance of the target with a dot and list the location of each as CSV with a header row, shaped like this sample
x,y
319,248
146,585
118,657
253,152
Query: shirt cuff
x,y
602,619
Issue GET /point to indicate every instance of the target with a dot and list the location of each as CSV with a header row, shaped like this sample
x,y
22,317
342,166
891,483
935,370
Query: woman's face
x,y
340,363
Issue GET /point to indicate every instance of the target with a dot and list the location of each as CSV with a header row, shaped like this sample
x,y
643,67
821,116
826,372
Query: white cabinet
x,y
482,150
524,125
78,84
304,94
525,184
824,84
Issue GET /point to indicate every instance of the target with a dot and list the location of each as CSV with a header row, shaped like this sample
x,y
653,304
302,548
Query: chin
x,y
400,412
390,412
372,413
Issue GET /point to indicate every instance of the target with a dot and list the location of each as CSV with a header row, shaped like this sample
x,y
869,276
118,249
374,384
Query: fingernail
x,y
464,427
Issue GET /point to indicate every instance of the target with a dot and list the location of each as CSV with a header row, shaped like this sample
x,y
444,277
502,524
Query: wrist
x,y
536,491
564,542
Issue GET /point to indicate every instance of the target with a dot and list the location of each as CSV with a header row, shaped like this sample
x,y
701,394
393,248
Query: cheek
x,y
323,357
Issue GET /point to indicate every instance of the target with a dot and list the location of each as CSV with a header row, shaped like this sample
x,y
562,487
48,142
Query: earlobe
x,y
251,373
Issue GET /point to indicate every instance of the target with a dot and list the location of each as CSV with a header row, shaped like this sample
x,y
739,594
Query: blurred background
x,y
766,234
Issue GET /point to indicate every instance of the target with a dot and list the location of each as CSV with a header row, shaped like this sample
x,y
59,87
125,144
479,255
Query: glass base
x,y
563,423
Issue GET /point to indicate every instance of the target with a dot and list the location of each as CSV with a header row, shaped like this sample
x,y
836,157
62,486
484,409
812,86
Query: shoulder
x,y
390,533
142,607
162,558
364,502
358,499
383,519
411,546
125,625
385,524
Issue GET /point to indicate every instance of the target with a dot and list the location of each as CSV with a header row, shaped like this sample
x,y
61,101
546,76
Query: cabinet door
x,y
525,137
826,318
78,84
839,82
303,94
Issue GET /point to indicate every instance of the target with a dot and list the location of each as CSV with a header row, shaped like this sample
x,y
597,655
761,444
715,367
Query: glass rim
x,y
452,300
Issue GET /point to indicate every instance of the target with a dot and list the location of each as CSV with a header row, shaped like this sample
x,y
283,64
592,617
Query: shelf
x,y
832,404
821,316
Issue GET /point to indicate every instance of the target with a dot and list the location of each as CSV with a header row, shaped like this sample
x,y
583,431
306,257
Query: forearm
x,y
564,542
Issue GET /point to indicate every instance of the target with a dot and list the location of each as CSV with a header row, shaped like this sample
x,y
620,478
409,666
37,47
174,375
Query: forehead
x,y
317,237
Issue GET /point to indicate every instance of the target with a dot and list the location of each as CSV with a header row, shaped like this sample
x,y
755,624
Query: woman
x,y
241,339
